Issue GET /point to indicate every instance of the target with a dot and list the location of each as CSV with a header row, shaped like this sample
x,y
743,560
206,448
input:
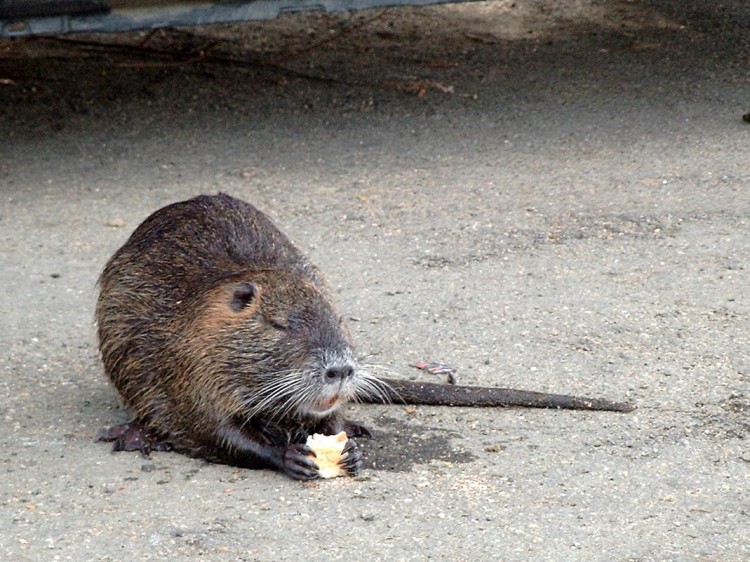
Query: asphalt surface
x,y
551,196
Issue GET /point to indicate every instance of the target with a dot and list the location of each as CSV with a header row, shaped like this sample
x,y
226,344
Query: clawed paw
x,y
132,436
351,458
298,462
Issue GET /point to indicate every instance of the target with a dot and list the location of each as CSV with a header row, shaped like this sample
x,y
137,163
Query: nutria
x,y
221,338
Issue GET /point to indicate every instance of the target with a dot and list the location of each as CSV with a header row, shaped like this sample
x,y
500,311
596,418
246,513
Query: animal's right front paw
x,y
298,462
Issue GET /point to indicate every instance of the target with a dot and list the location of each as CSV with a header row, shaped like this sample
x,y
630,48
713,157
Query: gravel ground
x,y
545,195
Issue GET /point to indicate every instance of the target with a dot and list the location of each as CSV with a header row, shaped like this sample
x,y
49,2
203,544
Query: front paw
x,y
351,458
298,462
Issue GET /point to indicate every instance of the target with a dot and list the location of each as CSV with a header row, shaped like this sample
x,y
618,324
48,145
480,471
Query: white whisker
x,y
372,386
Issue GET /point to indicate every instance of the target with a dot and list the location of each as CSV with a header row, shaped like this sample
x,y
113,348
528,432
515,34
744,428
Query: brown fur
x,y
220,337
205,301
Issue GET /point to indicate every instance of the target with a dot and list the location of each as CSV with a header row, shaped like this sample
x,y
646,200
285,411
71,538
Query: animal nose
x,y
338,374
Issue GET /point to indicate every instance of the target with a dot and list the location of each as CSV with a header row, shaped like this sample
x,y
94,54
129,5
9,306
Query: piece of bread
x,y
328,449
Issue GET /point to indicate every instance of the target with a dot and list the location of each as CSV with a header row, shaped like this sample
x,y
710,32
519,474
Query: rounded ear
x,y
242,296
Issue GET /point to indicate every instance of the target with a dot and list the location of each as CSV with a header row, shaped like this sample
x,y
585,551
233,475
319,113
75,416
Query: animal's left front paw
x,y
351,458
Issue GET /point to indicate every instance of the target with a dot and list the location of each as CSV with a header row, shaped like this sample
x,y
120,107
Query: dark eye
x,y
243,296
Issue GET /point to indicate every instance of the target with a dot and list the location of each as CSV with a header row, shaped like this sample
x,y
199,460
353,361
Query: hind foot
x,y
132,436
337,424
354,429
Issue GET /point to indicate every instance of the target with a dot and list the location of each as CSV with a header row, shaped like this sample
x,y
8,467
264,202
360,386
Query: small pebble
x,y
115,223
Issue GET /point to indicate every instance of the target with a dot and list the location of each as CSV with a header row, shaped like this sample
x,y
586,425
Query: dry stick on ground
x,y
203,54
202,51
175,57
